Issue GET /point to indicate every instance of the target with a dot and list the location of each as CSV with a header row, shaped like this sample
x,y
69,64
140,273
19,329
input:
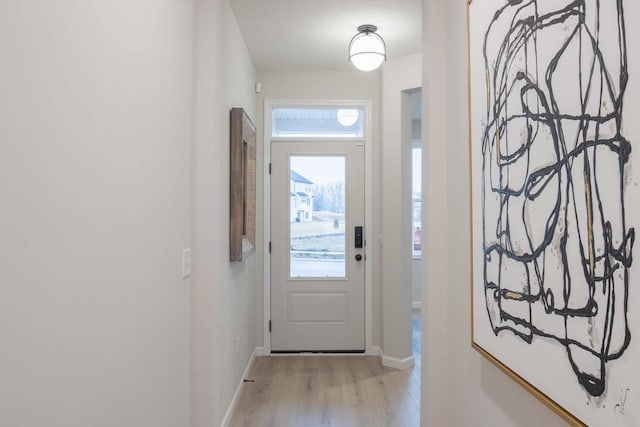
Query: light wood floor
x,y
330,391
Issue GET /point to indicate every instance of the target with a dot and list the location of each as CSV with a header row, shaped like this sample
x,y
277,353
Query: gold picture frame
x,y
242,225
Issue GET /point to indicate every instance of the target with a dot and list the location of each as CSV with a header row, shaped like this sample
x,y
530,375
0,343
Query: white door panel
x,y
317,273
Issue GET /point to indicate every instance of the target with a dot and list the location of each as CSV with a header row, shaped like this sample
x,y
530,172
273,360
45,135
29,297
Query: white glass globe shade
x,y
367,51
347,116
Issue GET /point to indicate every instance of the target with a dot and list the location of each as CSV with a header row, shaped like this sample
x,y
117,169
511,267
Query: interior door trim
x,y
269,105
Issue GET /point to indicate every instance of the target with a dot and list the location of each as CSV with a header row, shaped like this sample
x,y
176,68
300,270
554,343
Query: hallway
x,y
330,391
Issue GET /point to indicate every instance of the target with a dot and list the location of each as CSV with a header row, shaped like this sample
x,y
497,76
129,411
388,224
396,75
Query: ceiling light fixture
x,y
367,50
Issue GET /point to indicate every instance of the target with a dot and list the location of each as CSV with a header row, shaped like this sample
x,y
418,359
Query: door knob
x,y
358,257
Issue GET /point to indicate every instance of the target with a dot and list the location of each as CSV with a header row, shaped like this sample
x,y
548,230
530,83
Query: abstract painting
x,y
555,200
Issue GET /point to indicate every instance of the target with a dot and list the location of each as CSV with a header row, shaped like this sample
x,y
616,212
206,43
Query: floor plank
x,y
323,391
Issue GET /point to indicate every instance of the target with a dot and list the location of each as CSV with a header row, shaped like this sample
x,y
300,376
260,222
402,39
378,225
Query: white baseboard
x,y
236,396
393,362
417,305
376,351
259,351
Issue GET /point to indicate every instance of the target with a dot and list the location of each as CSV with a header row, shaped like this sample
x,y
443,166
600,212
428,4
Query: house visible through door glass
x,y
317,216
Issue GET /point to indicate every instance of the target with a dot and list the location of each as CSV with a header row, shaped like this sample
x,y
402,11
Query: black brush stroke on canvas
x,y
557,246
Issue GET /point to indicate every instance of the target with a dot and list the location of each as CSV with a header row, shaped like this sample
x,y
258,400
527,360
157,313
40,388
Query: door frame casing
x,y
269,105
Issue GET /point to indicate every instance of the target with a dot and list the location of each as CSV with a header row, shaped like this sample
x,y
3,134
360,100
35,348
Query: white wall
x,y
398,76
224,293
316,85
459,387
95,138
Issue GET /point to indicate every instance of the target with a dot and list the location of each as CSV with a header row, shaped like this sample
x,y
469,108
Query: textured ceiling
x,y
314,34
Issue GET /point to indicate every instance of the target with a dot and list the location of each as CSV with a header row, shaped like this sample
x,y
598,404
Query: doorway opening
x,y
417,236
317,216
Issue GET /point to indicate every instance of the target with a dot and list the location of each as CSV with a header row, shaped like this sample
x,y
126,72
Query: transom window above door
x,y
318,122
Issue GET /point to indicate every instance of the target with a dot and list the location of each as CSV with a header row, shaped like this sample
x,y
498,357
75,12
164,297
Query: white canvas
x,y
555,199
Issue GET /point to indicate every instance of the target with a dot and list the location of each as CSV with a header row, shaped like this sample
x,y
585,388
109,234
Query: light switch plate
x,y
186,263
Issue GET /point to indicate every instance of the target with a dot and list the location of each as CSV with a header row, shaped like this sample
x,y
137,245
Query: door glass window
x,y
317,216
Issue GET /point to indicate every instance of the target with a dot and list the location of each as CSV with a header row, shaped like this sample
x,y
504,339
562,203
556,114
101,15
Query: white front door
x,y
317,246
